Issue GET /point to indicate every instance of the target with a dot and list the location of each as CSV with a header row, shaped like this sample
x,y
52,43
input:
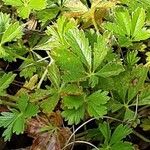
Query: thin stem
x,y
81,142
141,136
79,129
136,108
43,76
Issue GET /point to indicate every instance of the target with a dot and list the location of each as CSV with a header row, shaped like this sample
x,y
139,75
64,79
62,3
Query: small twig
x,y
81,142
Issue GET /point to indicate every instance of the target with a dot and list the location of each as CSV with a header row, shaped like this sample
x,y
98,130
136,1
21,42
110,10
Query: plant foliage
x,y
73,61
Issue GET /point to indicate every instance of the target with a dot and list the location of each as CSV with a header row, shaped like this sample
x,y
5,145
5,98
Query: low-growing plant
x,y
79,60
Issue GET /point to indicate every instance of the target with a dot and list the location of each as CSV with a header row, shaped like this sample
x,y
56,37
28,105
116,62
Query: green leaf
x,y
24,7
129,28
121,84
131,58
120,133
7,133
5,81
38,5
100,51
71,89
122,146
71,66
138,21
47,14
143,34
110,69
73,116
39,95
73,101
106,131
49,104
18,126
23,102
97,103
4,22
129,115
31,110
80,45
58,31
14,121
144,97
76,6
123,20
13,2
13,32
7,121
24,11
54,75
137,79
27,68
7,118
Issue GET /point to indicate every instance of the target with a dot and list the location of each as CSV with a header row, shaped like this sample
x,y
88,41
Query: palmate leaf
x,y
5,81
96,103
14,121
115,140
128,28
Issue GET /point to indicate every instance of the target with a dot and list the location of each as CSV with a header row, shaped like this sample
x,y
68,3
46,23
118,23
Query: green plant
x,y
78,61
114,141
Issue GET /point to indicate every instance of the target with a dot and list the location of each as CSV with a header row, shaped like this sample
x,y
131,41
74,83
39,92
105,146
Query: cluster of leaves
x,y
83,58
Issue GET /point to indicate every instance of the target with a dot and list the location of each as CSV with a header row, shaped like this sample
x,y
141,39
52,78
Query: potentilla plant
x,y
79,62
